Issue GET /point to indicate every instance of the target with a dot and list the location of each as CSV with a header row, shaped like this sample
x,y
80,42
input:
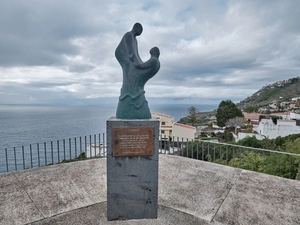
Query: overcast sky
x,y
62,52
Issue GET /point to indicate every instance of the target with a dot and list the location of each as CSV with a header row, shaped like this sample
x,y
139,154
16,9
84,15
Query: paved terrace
x,y
190,192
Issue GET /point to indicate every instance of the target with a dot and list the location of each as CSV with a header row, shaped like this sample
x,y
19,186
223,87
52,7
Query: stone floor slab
x,y
15,205
190,192
61,188
96,215
195,187
261,199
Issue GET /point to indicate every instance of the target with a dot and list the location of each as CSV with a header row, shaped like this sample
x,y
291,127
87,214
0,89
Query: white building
x,y
165,124
294,116
283,128
287,115
283,115
168,129
183,131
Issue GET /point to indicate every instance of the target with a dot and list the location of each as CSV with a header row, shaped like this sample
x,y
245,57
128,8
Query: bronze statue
x,y
132,101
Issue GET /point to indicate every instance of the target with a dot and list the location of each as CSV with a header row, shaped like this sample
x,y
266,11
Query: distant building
x,y
263,125
287,115
252,118
295,99
170,130
183,131
283,115
165,124
283,128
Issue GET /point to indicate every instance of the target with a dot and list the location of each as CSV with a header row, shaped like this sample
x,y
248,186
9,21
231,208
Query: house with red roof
x,y
171,130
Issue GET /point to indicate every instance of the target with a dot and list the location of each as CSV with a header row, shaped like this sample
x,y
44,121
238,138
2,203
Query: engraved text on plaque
x,y
133,141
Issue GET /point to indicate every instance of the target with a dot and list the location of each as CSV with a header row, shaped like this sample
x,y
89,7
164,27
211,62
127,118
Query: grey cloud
x,y
80,68
222,45
40,32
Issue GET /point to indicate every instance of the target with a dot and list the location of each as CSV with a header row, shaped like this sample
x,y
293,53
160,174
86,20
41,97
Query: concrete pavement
x,y
190,192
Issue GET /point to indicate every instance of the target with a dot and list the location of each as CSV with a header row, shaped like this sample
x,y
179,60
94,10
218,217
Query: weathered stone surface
x,y
188,189
192,187
261,199
16,207
96,214
61,188
132,181
132,101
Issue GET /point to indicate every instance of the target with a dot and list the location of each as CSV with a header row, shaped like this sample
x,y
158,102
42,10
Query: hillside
x,y
280,91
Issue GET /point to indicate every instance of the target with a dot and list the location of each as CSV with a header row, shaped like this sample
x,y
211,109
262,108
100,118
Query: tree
x,y
227,110
250,141
275,118
192,115
251,108
228,135
273,163
236,122
210,126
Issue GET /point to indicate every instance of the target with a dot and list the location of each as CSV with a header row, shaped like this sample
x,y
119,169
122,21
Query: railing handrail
x,y
70,149
45,141
252,148
52,152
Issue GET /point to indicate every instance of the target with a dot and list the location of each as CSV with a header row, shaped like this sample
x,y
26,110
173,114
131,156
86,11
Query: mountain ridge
x,y
279,91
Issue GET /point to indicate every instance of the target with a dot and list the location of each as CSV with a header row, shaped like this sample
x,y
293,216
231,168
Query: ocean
x,y
29,124
33,136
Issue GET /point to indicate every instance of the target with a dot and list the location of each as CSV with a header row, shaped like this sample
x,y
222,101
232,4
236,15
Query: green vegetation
x,y
273,163
251,108
227,110
79,158
192,116
275,118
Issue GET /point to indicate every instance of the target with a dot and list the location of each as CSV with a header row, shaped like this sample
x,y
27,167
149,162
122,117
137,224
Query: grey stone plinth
x,y
132,181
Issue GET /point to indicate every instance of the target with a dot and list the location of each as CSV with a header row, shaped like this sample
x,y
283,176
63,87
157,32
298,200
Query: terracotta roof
x,y
184,125
281,113
291,121
161,114
252,115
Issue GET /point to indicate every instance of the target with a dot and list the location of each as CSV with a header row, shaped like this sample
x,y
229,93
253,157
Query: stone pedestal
x,y
132,168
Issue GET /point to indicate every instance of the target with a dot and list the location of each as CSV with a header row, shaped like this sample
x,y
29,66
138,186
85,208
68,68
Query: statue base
x,y
132,168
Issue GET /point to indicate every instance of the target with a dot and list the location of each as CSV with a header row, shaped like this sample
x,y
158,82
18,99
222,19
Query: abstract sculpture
x,y
132,101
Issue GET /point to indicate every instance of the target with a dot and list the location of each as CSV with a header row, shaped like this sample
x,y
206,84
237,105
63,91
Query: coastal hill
x,y
280,91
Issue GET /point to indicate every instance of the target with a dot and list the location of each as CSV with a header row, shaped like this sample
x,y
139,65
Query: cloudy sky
x,y
62,52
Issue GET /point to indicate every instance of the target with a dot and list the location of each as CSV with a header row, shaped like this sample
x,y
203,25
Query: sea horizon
x,y
24,124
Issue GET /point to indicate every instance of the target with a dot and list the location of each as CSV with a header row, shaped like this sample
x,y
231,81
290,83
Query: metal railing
x,y
52,152
283,164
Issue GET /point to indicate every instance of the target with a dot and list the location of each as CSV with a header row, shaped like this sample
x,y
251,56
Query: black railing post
x,y
30,148
80,143
52,152
38,151
23,154
45,149
75,147
70,148
64,146
58,151
6,159
95,145
16,168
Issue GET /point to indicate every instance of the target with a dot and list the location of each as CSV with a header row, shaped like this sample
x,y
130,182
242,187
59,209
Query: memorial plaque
x,y
133,141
